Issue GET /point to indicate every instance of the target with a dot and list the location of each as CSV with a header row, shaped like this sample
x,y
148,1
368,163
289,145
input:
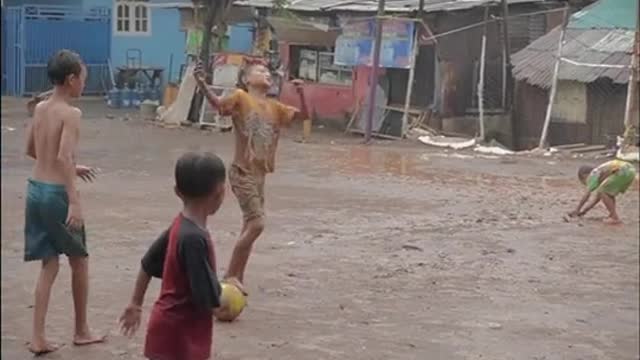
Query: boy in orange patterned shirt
x,y
257,121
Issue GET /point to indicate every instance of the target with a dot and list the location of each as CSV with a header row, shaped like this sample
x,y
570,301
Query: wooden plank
x,y
356,113
587,149
397,108
375,134
570,146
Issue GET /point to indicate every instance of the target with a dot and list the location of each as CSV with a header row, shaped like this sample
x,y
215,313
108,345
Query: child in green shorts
x,y
606,182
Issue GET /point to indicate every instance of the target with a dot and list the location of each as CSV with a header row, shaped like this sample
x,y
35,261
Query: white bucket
x,y
148,109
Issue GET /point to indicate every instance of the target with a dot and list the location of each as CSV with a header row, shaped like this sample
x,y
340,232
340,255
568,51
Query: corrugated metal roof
x,y
606,14
534,64
392,6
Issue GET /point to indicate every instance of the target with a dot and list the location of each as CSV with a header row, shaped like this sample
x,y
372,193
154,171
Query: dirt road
x,y
387,252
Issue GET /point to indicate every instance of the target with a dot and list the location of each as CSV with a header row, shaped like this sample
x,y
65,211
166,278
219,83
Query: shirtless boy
x,y
53,216
257,121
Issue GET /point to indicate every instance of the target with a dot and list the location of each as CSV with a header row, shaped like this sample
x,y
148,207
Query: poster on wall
x,y
194,42
355,45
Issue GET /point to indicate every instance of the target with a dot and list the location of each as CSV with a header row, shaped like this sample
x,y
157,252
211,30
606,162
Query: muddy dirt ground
x,y
391,251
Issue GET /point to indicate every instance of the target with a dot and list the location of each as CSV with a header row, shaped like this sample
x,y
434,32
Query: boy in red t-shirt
x,y
181,322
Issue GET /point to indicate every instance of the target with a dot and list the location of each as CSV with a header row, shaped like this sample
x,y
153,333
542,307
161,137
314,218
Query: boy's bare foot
x,y
42,348
88,339
235,282
612,221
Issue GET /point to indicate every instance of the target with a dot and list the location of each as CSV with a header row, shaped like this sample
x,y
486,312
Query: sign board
x,y
355,45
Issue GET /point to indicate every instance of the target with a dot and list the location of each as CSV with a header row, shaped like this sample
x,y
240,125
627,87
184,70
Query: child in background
x,y
606,181
181,322
54,223
257,121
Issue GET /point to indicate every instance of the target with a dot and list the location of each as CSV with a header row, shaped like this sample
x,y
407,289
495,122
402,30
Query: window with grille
x,y
315,64
131,17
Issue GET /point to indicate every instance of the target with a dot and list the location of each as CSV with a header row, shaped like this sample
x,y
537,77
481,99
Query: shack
x,y
594,70
446,66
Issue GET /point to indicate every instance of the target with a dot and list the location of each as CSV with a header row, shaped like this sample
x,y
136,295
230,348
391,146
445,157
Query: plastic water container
x,y
114,99
126,98
136,97
156,93
148,109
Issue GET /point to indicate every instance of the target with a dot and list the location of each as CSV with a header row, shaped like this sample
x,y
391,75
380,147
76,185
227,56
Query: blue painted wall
x,y
166,39
84,3
42,2
240,38
97,3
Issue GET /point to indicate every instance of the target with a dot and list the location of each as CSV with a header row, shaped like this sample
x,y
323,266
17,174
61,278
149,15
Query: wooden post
x,y
375,64
504,73
554,81
412,72
306,129
483,52
506,57
632,111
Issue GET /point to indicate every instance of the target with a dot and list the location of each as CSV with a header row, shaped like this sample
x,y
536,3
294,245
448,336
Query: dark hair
x,y
584,171
197,174
241,75
246,69
62,64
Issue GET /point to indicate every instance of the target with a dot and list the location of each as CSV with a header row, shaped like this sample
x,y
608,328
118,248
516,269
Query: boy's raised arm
x,y
66,155
212,98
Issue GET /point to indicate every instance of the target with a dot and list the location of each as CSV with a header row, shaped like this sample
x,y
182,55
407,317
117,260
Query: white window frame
x,y
131,8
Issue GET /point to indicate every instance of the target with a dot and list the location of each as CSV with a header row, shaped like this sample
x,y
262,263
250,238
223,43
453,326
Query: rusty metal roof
x,y
583,49
392,6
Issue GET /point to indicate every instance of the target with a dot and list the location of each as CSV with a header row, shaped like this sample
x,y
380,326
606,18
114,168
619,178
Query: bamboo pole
x,y
375,64
412,73
506,58
483,52
554,81
632,112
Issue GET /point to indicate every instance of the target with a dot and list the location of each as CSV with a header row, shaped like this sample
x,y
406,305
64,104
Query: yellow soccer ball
x,y
232,302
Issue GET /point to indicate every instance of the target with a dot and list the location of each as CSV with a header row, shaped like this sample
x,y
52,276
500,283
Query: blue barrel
x,y
126,98
114,99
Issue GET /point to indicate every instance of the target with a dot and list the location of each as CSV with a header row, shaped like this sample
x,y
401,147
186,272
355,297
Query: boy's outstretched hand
x,y
86,173
130,320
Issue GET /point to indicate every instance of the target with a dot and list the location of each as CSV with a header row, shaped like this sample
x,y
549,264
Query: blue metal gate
x,y
4,49
34,33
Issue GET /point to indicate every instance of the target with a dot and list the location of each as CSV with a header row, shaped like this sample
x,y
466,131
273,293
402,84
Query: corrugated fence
x,y
34,33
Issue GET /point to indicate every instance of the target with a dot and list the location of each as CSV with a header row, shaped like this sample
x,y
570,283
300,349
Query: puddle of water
x,y
363,160
367,161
